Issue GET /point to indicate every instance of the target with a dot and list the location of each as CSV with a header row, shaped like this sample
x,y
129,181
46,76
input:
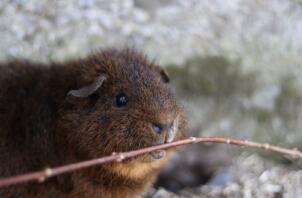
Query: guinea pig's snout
x,y
164,132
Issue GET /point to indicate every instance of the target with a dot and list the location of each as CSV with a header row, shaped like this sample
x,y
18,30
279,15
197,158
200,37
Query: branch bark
x,y
42,175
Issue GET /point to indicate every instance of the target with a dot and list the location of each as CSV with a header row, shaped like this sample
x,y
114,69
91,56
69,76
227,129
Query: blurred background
x,y
235,64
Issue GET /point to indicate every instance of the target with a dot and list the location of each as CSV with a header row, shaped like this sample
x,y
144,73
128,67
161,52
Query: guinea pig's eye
x,y
121,100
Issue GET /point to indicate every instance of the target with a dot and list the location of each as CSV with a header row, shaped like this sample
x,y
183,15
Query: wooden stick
x,y
42,175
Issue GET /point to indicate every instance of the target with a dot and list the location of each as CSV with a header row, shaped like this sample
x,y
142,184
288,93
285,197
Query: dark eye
x,y
121,100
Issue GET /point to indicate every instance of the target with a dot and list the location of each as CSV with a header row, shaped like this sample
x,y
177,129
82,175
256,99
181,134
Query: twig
x,y
42,175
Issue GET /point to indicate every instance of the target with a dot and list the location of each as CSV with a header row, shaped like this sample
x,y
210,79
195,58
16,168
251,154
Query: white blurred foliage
x,y
266,35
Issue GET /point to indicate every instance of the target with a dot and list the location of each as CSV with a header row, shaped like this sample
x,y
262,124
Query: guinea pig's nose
x,y
158,128
162,128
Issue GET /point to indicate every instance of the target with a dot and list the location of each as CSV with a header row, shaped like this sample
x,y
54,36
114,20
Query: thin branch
x,y
42,175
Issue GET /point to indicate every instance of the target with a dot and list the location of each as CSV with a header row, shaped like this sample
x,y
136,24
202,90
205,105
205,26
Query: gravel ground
x,y
248,176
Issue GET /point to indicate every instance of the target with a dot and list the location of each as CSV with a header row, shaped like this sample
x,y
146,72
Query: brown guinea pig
x,y
60,113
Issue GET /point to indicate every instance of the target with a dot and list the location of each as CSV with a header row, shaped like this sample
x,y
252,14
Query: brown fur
x,y
41,125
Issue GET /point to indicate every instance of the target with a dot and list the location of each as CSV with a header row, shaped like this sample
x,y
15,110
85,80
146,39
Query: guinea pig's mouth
x,y
156,155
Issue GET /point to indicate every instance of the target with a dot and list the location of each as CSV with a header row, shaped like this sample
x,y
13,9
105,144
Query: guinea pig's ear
x,y
164,75
86,91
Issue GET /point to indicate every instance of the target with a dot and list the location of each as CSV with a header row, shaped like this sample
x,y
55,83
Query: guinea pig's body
x,y
112,101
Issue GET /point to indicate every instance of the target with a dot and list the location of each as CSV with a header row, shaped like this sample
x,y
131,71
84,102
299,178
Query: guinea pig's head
x,y
125,104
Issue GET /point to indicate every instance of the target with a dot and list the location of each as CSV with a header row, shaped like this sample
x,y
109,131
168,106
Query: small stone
x,y
272,188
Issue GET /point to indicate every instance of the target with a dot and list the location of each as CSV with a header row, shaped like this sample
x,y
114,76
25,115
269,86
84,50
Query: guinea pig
x,y
60,113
